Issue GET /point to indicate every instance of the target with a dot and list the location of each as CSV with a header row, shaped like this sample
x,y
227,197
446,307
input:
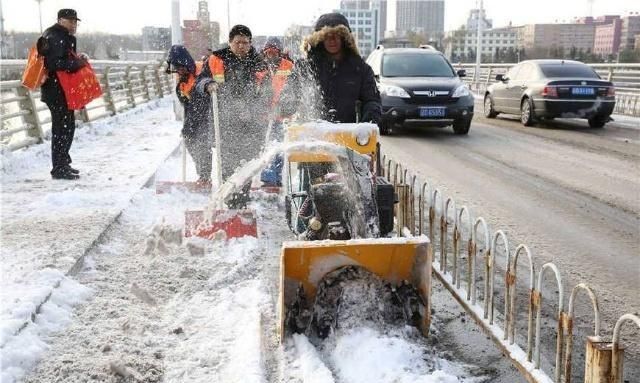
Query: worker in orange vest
x,y
243,103
196,130
278,70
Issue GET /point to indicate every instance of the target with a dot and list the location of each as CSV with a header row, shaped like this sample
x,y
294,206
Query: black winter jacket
x,y
57,46
241,99
240,76
197,112
341,84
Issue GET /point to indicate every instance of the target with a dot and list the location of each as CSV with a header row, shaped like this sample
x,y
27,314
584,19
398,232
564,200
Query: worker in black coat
x,y
344,84
243,103
197,130
58,46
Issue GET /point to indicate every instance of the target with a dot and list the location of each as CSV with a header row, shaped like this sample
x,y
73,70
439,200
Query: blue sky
x,y
272,17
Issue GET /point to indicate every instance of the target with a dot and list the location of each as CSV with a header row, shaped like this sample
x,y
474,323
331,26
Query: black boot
x,y
63,173
73,170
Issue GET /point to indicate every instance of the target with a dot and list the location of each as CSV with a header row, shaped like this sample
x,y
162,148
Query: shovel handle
x,y
184,160
216,131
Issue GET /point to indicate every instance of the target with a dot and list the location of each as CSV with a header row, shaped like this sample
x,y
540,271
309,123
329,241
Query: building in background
x,y
628,31
156,39
364,19
202,35
498,45
606,40
425,17
293,37
474,16
381,6
557,40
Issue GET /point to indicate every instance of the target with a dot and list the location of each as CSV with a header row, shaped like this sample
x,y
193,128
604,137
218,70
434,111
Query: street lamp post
x,y
40,13
479,47
228,17
176,38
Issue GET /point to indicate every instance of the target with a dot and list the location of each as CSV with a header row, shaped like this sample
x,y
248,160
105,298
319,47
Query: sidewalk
x,y
48,225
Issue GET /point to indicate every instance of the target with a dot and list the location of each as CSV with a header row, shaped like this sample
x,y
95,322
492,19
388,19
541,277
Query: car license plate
x,y
583,91
432,111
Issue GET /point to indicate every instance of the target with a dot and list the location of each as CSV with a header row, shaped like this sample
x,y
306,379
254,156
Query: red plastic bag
x,y
34,73
80,87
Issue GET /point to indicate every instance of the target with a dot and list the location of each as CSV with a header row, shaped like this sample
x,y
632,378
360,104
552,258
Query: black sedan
x,y
419,87
548,89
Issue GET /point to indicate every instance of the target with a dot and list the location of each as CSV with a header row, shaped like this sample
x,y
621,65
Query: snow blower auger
x,y
215,222
342,213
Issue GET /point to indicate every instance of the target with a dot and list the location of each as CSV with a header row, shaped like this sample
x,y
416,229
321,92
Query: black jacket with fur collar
x,y
341,85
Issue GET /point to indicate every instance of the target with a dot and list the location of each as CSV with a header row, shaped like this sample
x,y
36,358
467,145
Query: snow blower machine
x,y
342,213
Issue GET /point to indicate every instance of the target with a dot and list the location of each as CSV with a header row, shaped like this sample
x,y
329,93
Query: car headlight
x,y
461,91
363,137
393,91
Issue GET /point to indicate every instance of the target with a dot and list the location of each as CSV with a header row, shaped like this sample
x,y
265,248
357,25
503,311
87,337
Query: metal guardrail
x,y
434,214
125,84
625,77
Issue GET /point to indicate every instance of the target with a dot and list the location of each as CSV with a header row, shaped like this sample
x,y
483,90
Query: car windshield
x,y
568,70
416,65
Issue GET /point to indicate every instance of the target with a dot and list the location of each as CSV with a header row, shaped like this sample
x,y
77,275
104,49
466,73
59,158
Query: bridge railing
x,y
125,84
499,286
625,77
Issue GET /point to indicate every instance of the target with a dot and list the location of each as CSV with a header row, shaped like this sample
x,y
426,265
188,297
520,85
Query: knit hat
x,y
179,56
272,42
332,20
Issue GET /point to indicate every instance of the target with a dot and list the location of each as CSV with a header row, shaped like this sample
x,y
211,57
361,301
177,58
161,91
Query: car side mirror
x,y
501,77
462,73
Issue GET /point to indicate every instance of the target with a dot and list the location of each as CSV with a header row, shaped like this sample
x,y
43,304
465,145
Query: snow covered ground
x,y
47,225
146,305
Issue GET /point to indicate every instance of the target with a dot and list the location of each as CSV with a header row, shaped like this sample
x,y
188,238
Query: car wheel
x,y
597,122
489,111
461,126
385,130
527,116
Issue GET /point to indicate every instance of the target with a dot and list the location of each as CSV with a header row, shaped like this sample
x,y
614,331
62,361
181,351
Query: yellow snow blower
x,y
341,212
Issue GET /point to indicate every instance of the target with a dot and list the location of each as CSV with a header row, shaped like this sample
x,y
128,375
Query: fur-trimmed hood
x,y
312,42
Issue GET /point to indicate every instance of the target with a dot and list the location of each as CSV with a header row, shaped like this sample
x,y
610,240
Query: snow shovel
x,y
163,187
214,222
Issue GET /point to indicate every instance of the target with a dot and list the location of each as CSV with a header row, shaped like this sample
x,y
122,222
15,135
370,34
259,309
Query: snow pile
x,y
48,224
20,354
364,354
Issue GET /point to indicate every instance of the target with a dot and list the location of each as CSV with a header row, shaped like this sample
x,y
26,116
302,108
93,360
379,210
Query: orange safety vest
x,y
216,66
280,79
187,87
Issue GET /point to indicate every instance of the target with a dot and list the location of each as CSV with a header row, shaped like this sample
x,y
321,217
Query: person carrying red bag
x,y
58,46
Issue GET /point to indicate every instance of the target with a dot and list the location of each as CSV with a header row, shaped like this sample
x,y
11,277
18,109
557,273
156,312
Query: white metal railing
x,y
625,77
125,84
425,210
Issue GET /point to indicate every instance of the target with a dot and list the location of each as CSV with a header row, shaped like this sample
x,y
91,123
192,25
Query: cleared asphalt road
x,y
571,193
